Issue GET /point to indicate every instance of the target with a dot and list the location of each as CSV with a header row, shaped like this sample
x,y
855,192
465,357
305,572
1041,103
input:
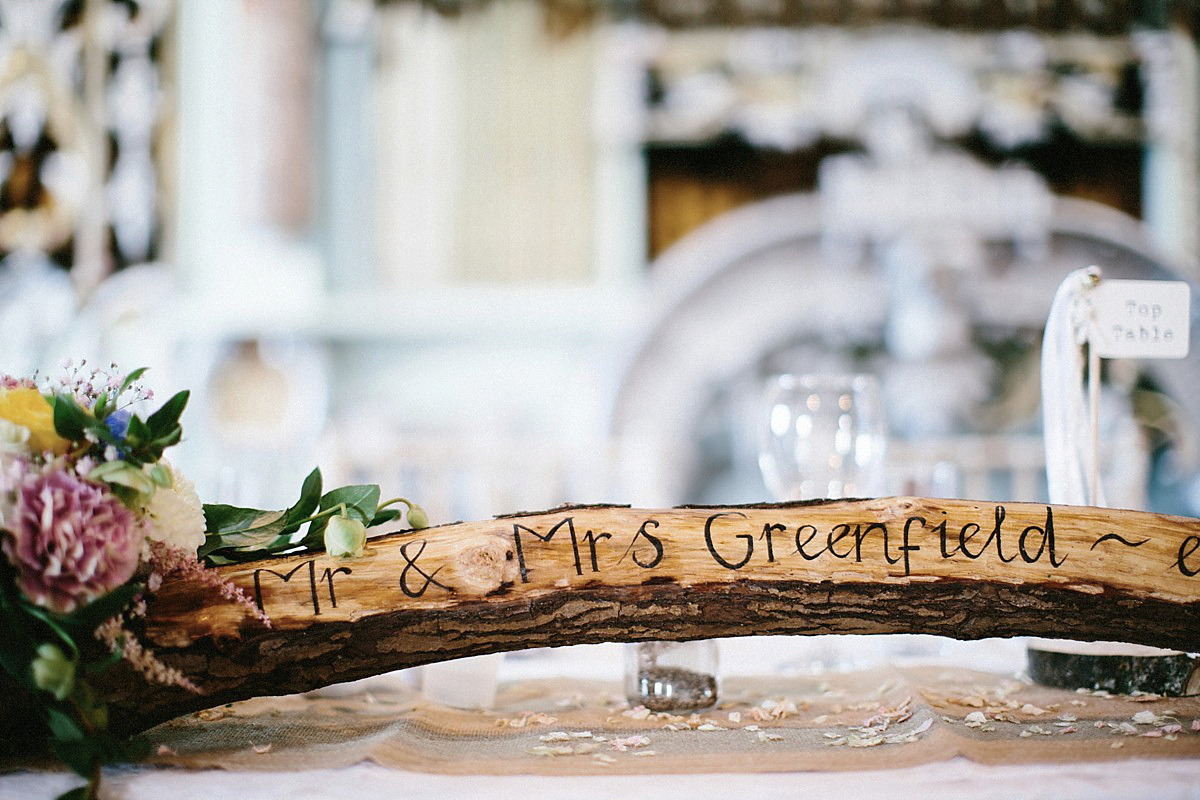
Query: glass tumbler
x,y
822,436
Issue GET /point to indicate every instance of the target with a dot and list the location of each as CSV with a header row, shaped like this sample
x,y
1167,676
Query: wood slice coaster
x,y
1114,667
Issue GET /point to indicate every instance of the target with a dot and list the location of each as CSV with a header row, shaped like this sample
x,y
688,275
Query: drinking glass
x,y
822,436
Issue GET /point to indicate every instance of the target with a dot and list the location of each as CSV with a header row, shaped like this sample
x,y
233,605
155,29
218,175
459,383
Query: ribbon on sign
x,y
1069,414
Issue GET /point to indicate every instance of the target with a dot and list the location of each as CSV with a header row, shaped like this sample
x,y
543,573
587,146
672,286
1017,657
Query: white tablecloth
x,y
1153,780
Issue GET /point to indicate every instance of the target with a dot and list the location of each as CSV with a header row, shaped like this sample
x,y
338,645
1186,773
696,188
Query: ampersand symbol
x,y
412,565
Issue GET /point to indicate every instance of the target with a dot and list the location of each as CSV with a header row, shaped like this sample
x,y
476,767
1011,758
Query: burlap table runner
x,y
872,720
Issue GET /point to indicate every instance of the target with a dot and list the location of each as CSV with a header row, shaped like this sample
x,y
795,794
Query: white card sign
x,y
1141,319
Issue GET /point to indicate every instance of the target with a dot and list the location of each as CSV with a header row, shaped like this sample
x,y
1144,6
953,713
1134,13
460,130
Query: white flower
x,y
14,438
14,443
175,513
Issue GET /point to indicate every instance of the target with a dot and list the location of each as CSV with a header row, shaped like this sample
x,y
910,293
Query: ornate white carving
x,y
783,87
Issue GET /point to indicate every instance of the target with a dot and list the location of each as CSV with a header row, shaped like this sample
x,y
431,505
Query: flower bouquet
x,y
93,520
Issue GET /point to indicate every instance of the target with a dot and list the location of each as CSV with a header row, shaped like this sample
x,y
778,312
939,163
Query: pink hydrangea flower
x,y
70,540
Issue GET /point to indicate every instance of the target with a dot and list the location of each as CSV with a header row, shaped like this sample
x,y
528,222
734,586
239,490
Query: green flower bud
x,y
97,715
53,672
417,518
345,537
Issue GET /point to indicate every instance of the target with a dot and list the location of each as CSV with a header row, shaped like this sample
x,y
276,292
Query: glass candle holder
x,y
672,676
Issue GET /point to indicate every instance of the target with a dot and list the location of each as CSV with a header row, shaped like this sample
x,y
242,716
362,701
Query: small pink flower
x,y
9,382
70,540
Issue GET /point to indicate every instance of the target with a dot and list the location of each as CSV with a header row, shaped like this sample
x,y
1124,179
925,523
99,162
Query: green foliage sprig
x,y
62,644
237,534
144,440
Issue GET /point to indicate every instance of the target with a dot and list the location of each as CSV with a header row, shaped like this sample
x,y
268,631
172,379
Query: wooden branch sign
x,y
602,573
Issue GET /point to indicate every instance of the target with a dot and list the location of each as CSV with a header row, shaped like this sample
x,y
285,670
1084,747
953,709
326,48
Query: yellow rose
x,y
32,411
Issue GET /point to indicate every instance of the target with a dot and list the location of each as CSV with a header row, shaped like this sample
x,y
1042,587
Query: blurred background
x,y
500,255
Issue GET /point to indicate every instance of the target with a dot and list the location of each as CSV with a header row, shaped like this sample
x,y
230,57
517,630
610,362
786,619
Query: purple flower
x,y
70,541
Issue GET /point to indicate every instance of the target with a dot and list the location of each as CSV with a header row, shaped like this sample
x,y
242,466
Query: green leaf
x,y
307,504
161,476
16,661
360,501
101,409
15,656
213,556
128,497
163,441
70,420
122,473
263,539
257,533
385,515
64,726
78,793
80,756
137,432
166,418
53,622
19,638
220,518
129,380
